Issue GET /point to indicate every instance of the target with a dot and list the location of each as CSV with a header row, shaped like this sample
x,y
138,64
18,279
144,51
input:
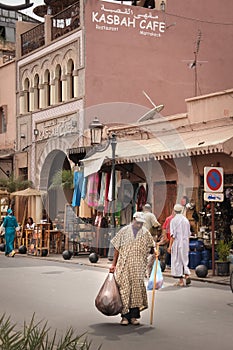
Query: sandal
x,y
188,281
12,254
178,284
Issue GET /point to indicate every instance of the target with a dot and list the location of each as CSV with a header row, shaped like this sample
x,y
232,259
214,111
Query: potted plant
x,y
223,262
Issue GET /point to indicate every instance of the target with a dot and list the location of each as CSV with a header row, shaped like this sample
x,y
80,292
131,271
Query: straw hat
x,y
178,208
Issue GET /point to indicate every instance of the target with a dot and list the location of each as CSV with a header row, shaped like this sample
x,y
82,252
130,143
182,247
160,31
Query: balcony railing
x,y
66,21
62,23
33,39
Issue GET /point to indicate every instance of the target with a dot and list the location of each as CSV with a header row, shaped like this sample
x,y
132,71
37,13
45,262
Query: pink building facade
x,y
69,72
130,49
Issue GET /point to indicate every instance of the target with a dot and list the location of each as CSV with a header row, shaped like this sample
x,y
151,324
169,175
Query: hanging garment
x,y
92,190
126,215
141,197
102,188
118,213
84,188
117,184
106,209
78,183
110,189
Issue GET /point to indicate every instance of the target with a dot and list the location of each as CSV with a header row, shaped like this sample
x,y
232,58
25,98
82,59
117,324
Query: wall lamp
x,y
96,129
36,132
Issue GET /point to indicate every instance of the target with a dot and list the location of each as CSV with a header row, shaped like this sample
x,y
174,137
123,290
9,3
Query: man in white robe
x,y
179,246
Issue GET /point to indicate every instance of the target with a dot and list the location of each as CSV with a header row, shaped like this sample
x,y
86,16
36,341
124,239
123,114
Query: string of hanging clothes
x,y
96,190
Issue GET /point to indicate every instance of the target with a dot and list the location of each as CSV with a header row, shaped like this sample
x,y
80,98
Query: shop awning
x,y
165,146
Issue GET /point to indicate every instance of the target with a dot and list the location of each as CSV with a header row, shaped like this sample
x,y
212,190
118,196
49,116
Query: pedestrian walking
x,y
152,224
151,221
179,246
131,247
101,224
10,224
166,236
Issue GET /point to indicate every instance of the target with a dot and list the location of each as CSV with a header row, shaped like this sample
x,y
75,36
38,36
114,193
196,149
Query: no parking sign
x,y
213,179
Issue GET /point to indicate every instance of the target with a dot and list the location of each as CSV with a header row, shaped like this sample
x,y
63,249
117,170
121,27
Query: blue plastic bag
x,y
159,277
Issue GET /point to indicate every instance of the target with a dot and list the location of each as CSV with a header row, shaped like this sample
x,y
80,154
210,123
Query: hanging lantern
x,y
96,129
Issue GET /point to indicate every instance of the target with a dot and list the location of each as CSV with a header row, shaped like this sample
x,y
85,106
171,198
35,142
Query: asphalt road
x,y
199,316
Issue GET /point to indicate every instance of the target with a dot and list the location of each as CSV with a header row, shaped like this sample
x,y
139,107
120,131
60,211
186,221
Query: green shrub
x,y
223,250
36,336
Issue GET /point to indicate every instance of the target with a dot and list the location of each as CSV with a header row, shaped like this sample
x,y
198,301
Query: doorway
x,y
165,196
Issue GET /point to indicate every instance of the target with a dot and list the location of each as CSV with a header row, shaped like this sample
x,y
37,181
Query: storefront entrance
x,y
165,196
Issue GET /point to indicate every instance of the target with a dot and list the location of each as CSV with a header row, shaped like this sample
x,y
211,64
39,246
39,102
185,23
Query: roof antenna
x,y
192,64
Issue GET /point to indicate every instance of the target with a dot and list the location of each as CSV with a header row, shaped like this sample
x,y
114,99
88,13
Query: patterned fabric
x,y
131,266
92,190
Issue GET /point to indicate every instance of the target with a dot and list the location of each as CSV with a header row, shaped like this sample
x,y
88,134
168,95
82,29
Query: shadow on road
x,y
114,331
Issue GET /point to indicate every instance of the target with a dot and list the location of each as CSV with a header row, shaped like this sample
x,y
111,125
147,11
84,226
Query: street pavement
x,y
105,263
62,292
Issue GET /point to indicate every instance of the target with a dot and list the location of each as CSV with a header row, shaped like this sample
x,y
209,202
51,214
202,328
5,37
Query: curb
x,y
83,260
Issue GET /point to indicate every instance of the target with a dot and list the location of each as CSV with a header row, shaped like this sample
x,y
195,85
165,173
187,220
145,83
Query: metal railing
x,y
61,24
32,39
66,21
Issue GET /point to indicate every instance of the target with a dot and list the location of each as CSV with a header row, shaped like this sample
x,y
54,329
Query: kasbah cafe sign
x,y
113,19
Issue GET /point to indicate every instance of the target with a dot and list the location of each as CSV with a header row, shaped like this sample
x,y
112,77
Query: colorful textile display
x,y
92,190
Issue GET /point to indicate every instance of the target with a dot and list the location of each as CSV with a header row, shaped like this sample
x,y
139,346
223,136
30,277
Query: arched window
x,y
26,88
58,84
70,79
47,96
36,92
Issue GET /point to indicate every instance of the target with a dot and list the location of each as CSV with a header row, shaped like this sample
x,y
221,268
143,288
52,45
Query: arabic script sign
x,y
113,19
57,127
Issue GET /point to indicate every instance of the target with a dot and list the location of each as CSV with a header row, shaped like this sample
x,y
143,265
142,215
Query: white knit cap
x,y
147,205
139,216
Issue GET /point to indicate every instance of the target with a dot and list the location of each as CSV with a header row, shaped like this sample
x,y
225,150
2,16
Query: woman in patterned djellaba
x,y
132,245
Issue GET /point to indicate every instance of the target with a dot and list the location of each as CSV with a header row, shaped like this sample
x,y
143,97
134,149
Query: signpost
x,y
213,197
213,179
213,187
